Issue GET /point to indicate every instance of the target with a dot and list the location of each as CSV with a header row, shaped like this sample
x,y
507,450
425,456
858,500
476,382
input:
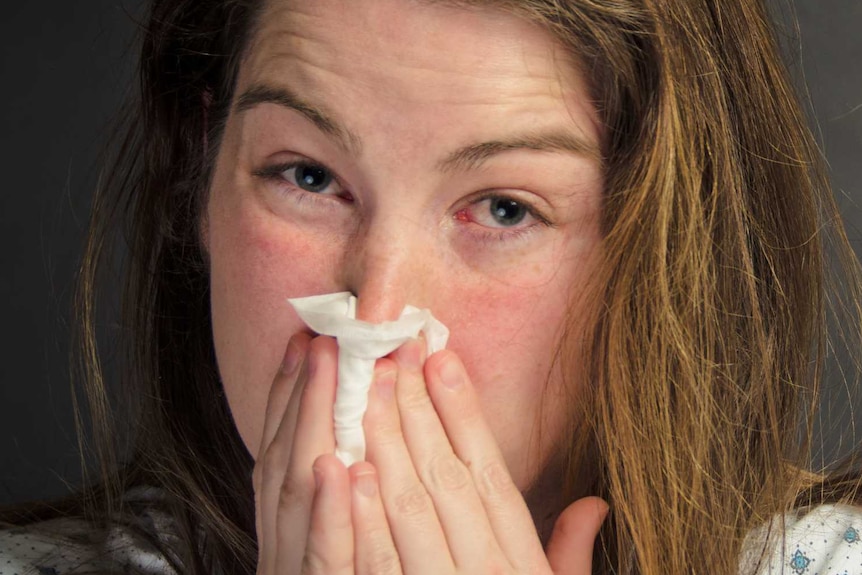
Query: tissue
x,y
360,344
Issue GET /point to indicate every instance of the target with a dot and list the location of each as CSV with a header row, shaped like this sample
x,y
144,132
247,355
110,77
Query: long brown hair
x,y
706,347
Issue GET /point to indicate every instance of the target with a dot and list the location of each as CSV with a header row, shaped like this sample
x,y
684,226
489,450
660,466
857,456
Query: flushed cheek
x,y
256,264
506,339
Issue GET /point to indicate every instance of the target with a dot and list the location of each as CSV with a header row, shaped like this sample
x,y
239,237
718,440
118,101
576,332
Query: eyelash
x,y
274,173
487,235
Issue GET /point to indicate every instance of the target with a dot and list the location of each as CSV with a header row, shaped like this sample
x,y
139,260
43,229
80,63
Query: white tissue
x,y
360,344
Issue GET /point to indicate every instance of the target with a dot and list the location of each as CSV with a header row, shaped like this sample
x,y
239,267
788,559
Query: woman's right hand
x,y
293,438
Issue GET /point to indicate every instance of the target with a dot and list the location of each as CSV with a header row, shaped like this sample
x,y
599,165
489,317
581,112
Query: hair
x,y
706,347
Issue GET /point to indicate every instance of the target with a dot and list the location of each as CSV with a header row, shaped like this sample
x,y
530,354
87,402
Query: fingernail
x,y
291,358
604,510
385,384
318,478
451,373
410,356
366,484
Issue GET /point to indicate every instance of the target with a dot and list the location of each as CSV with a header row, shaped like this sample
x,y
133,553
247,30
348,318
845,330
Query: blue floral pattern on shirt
x,y
823,540
800,562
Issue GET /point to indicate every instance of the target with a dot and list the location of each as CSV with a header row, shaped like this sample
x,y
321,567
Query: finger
x,y
570,549
284,392
310,437
409,510
460,510
460,413
375,552
330,532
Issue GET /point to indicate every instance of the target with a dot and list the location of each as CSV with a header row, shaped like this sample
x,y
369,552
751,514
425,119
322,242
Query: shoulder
x,y
71,546
822,540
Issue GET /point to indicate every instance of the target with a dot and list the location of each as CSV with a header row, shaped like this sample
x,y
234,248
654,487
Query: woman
x,y
615,208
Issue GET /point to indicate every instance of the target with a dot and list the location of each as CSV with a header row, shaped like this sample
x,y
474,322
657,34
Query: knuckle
x,y
270,479
314,563
415,399
275,458
494,480
376,552
496,568
311,563
266,475
381,559
282,385
447,473
412,501
387,564
384,432
294,490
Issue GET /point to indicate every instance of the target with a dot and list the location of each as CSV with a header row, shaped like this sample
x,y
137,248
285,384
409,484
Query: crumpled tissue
x,y
360,344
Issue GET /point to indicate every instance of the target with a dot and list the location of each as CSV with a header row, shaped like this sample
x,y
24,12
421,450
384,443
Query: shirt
x,y
824,540
70,546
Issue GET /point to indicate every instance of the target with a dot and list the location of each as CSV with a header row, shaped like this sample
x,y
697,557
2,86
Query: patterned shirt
x,y
69,546
826,540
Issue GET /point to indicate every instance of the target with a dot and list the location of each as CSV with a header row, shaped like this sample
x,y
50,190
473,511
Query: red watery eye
x,y
463,215
495,212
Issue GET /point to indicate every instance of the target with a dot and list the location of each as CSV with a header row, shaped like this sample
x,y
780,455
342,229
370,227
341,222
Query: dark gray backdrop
x,y
64,67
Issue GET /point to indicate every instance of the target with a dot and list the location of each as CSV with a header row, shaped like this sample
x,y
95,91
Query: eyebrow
x,y
260,94
469,157
473,156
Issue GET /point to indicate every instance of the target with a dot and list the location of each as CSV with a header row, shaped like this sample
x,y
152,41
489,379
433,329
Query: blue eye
x,y
500,212
302,178
507,212
309,177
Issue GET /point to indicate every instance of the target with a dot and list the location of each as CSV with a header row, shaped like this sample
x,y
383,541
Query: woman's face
x,y
416,154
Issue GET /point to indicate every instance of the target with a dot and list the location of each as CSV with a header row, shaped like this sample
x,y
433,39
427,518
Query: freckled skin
x,y
413,82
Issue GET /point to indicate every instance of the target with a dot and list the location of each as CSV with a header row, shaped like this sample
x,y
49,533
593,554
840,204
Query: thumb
x,y
570,549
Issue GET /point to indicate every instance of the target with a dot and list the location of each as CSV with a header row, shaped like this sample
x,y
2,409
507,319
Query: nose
x,y
387,267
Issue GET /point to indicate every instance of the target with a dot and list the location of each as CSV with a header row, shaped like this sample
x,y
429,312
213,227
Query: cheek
x,y
256,265
509,328
507,337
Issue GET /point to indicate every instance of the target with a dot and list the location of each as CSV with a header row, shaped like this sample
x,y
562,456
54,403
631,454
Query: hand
x,y
298,428
435,495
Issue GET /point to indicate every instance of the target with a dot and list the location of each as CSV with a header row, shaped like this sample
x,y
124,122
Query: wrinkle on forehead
x,y
484,61
299,31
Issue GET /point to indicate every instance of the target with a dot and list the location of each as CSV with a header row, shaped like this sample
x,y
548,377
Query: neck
x,y
548,496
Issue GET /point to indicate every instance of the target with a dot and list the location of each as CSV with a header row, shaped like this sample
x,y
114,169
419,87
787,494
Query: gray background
x,y
64,68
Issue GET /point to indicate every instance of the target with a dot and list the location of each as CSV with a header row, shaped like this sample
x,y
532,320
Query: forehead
x,y
419,40
431,77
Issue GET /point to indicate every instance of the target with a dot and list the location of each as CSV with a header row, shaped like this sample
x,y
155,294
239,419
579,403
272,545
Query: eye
x,y
312,178
302,176
507,212
499,212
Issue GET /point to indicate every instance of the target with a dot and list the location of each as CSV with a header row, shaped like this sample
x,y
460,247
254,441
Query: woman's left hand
x,y
435,496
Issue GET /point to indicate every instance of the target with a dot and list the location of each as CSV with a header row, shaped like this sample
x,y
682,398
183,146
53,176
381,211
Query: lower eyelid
x,y
501,237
